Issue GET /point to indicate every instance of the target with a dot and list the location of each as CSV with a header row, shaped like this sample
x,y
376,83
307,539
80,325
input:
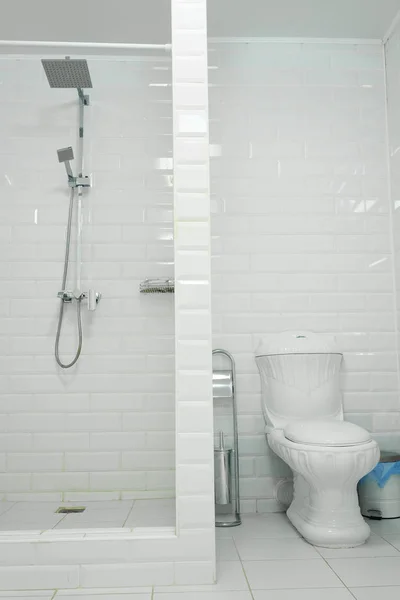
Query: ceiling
x,y
148,21
123,21
302,18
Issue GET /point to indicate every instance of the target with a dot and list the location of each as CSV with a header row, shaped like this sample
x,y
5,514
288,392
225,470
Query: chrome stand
x,y
227,498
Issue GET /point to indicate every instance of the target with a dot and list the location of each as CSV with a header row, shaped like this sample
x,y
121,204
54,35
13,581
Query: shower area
x,y
87,405
106,445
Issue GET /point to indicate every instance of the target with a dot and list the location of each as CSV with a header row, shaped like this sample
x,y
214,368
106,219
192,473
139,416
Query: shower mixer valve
x,y
92,297
83,181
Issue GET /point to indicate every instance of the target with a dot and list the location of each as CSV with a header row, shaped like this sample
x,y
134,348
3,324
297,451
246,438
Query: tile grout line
x,y
333,571
60,521
243,569
8,509
350,592
386,540
129,513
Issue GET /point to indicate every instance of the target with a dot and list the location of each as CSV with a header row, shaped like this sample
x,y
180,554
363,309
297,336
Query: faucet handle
x,y
93,299
65,295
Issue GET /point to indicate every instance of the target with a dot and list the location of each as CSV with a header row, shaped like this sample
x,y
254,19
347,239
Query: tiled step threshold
x,y
98,558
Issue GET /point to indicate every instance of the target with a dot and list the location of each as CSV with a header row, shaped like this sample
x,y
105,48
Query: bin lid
x,y
389,457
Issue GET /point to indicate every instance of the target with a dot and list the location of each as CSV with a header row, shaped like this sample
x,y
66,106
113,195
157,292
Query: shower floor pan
x,y
126,514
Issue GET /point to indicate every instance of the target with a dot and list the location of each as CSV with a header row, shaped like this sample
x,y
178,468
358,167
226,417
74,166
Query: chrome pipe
x,y
83,101
84,45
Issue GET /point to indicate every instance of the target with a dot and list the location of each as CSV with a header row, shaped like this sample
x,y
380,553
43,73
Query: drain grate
x,y
70,509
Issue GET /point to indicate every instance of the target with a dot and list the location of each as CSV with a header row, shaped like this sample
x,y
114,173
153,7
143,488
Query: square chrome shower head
x,y
67,73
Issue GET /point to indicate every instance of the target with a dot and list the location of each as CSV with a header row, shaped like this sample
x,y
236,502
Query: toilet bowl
x,y
303,410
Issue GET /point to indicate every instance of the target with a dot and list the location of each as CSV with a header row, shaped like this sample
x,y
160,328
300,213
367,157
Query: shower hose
x,y
62,302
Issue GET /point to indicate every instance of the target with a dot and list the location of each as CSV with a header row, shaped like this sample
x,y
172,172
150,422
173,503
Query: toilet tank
x,y
300,377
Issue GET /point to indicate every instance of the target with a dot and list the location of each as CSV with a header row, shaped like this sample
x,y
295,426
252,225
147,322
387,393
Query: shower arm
x,y
70,174
84,98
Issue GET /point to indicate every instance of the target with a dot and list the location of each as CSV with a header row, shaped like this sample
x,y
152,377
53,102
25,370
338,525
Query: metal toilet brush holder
x,y
226,460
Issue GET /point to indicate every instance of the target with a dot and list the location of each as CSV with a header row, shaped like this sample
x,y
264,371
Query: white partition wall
x,y
194,442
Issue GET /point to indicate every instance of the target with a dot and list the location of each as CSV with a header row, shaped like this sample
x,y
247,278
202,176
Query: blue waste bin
x,y
379,491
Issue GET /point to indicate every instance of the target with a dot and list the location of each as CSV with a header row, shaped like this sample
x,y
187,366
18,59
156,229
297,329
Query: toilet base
x,y
326,536
325,509
329,518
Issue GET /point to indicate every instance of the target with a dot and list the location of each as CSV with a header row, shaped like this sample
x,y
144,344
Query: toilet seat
x,y
326,433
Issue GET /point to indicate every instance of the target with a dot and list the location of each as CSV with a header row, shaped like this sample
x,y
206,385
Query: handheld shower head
x,y
64,156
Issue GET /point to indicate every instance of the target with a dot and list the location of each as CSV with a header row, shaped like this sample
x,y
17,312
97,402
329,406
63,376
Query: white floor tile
x,y
265,526
97,515
28,596
375,546
123,505
203,596
23,526
385,526
104,593
33,518
20,516
29,507
320,594
230,577
376,593
226,550
394,540
92,524
105,596
5,506
152,513
290,574
95,531
274,549
224,533
355,572
37,594
19,534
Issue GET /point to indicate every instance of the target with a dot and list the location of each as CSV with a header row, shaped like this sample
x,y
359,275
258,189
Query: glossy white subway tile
x,y
39,577
135,574
319,255
308,594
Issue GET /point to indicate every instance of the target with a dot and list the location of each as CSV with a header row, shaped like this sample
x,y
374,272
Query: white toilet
x,y
303,411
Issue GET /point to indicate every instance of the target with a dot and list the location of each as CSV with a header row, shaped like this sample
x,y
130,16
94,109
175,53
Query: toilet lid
x,y
326,433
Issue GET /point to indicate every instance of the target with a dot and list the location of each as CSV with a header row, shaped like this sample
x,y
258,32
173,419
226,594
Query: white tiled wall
x,y
301,224
193,335
106,426
392,58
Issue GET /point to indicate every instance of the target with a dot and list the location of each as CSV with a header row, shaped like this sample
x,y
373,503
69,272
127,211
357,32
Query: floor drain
x,y
70,509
